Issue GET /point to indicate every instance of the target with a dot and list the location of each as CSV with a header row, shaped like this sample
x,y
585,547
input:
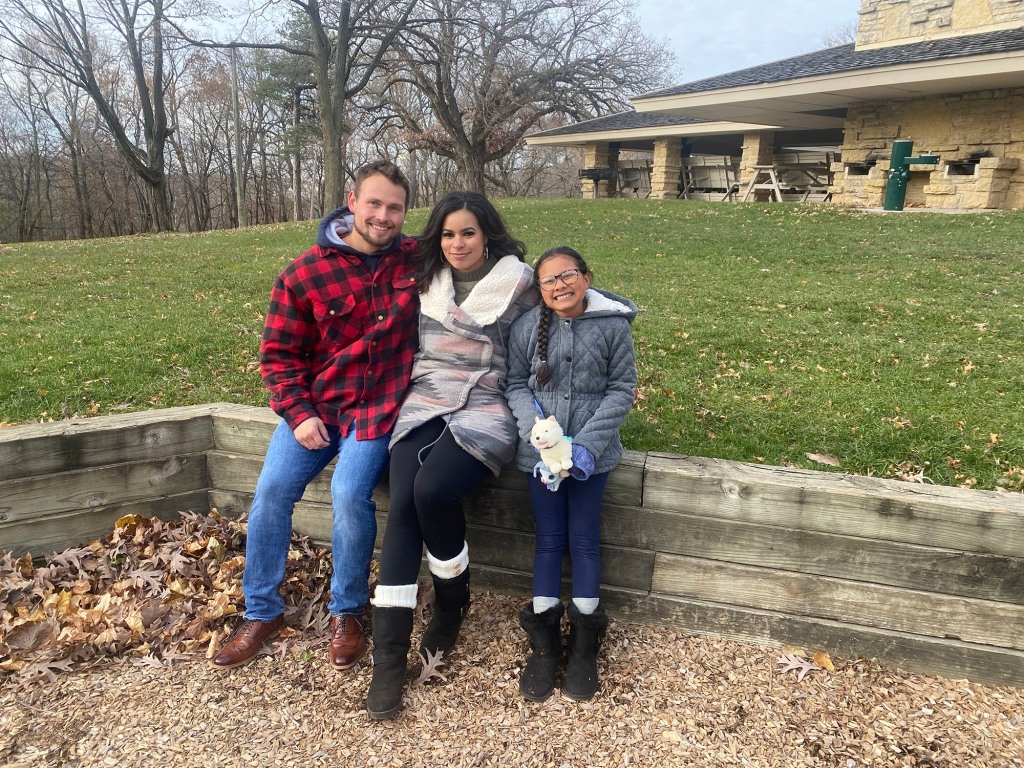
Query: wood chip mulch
x,y
667,698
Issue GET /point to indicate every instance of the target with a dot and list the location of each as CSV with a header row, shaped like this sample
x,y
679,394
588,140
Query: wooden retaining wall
x,y
927,578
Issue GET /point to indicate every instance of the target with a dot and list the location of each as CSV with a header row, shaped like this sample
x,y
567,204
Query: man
x,y
336,355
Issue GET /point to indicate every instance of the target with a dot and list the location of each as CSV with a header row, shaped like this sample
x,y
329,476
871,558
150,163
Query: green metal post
x,y
899,175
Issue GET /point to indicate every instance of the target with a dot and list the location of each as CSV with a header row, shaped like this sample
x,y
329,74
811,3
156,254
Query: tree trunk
x,y
297,155
159,203
471,173
413,172
332,123
236,116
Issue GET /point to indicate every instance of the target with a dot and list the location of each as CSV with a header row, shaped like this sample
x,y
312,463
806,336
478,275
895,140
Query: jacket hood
x,y
337,225
602,303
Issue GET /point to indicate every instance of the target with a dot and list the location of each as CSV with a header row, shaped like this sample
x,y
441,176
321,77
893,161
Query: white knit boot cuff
x,y
449,569
403,596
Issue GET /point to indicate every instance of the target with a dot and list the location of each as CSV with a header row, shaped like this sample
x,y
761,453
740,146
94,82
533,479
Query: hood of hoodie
x,y
601,303
337,224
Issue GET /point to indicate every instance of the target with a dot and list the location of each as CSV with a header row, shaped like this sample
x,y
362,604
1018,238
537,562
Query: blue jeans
x,y
570,516
287,470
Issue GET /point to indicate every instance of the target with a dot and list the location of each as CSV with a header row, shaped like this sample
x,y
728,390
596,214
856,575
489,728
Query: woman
x,y
454,426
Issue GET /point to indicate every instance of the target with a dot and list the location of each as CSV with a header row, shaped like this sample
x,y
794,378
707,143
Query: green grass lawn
x,y
891,344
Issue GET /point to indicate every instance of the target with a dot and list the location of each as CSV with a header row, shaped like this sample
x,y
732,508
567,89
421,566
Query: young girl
x,y
572,358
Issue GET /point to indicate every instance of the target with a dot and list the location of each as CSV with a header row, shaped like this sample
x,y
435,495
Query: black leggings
x,y
430,474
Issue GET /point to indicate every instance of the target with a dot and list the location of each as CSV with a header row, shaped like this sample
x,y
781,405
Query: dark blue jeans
x,y
570,516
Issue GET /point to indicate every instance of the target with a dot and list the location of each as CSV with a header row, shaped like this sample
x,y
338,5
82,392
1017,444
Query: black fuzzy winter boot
x,y
451,602
392,629
545,633
586,631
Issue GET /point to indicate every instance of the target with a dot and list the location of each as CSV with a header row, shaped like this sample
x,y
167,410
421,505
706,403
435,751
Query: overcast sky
x,y
712,38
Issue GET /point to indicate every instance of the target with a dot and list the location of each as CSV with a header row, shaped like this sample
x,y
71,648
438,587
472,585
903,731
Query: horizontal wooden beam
x,y
852,505
954,572
31,498
63,446
854,602
41,536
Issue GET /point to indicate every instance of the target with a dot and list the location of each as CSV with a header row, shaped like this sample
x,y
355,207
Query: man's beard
x,y
372,236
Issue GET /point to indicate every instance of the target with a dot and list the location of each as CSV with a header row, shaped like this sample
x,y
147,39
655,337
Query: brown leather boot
x,y
245,641
348,641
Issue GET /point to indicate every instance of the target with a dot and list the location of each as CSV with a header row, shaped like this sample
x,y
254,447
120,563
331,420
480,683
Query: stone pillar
x,y
596,156
994,175
892,22
611,188
758,149
668,168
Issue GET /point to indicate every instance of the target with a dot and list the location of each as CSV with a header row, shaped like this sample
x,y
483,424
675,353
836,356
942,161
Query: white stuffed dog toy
x,y
555,448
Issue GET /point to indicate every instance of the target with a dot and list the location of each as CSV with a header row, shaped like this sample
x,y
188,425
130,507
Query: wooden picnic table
x,y
801,176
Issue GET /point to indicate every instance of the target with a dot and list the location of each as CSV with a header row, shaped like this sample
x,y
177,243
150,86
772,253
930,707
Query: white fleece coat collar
x,y
485,303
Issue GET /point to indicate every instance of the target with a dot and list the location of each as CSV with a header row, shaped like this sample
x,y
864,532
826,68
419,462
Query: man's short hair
x,y
388,170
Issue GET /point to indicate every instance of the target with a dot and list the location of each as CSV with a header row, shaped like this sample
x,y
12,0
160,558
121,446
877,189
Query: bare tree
x,y
344,44
345,58
92,44
23,153
68,109
537,172
492,69
201,111
841,35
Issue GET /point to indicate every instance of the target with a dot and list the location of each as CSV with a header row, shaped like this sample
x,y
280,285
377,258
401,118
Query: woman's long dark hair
x,y
428,259
544,316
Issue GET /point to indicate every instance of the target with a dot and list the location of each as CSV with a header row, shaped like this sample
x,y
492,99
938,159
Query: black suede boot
x,y
451,602
392,629
545,633
586,631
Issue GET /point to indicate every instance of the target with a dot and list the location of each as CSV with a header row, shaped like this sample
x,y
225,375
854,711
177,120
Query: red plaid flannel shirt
x,y
338,342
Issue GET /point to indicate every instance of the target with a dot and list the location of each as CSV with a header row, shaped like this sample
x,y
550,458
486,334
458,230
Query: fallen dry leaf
x,y
431,663
824,661
823,458
790,661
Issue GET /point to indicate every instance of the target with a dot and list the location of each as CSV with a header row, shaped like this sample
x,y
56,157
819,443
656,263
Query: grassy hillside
x,y
893,345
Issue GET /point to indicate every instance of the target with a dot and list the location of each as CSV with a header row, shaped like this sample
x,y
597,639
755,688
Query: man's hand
x,y
312,434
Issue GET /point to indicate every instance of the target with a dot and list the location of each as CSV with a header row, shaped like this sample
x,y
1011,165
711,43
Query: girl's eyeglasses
x,y
568,278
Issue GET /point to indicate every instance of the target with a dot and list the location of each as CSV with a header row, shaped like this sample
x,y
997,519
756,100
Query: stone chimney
x,y
894,22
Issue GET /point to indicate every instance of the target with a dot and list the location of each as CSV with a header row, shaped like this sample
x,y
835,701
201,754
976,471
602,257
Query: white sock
x,y
449,569
541,604
403,596
586,605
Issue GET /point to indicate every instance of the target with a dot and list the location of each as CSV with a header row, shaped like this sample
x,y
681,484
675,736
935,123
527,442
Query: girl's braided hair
x,y
544,316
